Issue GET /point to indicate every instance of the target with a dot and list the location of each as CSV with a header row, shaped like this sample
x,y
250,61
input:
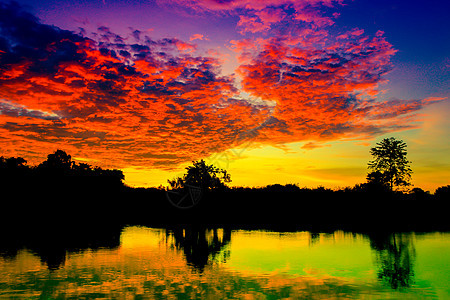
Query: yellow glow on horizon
x,y
312,168
146,177
269,165
333,165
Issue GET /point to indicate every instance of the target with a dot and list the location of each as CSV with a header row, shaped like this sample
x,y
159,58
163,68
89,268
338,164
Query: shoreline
x,y
309,210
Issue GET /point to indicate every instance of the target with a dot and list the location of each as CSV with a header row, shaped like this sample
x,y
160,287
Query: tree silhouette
x,y
12,163
443,192
391,162
58,160
13,170
200,174
376,182
59,173
186,192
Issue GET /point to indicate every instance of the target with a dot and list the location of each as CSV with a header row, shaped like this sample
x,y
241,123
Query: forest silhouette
x,y
62,191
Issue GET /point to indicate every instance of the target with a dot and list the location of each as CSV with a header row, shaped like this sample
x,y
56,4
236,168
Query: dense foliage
x,y
200,174
390,165
57,174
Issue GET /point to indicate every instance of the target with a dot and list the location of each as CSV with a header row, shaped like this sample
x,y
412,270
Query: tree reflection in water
x,y
395,256
52,244
201,245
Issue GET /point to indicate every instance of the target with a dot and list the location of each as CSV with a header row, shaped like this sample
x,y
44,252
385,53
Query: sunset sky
x,y
275,91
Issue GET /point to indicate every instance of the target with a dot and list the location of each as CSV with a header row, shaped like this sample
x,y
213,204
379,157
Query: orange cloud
x,y
156,103
322,91
130,104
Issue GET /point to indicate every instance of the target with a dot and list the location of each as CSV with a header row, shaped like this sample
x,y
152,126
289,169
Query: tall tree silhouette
x,y
391,162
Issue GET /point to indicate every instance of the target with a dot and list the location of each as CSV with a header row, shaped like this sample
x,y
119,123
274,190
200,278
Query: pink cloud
x,y
270,15
354,32
260,21
259,16
313,16
251,24
218,6
197,36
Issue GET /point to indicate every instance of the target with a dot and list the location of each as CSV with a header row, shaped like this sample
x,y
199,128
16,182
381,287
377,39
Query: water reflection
x,y
200,262
53,244
201,245
395,255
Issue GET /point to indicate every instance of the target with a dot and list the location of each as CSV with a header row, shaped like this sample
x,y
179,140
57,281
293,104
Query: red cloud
x,y
321,91
130,104
156,103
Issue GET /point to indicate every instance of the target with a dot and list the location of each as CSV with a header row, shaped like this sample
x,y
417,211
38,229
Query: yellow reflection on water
x,y
141,238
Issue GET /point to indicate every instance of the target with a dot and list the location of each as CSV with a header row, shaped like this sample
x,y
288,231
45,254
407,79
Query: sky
x,y
274,91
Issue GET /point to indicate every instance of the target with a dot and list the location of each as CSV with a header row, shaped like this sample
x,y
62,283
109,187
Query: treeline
x,y
368,188
59,171
286,206
61,191
57,175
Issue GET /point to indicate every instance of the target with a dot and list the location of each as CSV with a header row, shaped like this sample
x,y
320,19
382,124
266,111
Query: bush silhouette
x,y
443,192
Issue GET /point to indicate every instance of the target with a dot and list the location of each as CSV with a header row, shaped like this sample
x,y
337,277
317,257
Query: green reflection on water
x,y
190,263
395,258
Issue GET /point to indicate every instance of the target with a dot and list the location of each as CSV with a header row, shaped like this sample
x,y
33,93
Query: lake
x,y
139,262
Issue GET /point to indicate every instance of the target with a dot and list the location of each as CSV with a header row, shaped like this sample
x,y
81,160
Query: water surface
x,y
189,263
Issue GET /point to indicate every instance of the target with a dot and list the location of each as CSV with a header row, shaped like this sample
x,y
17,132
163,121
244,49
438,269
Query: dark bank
x,y
307,208
60,191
